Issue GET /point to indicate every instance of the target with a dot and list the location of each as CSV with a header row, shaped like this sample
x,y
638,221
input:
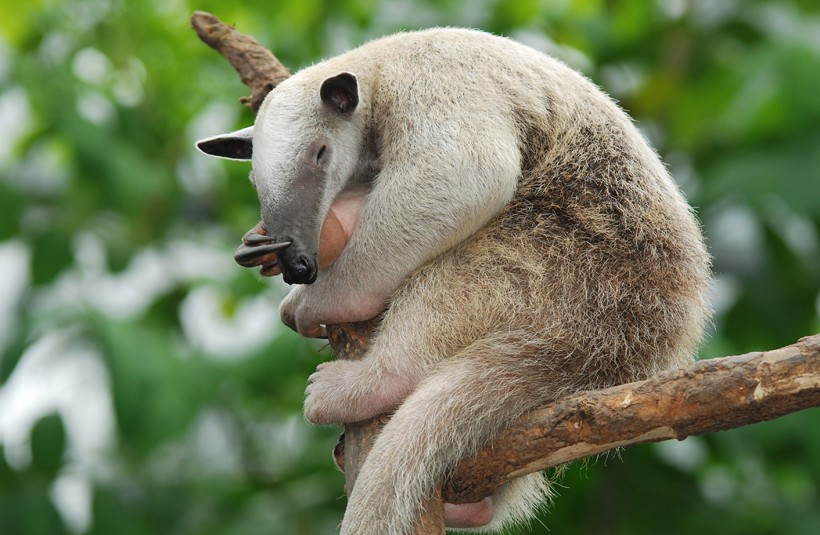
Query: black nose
x,y
298,267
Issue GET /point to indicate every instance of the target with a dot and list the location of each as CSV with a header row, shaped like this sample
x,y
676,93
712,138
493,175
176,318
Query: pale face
x,y
304,147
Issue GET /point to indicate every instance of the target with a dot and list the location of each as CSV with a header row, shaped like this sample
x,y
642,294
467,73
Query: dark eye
x,y
320,153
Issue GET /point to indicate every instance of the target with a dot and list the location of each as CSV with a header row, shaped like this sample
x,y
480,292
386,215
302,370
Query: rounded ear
x,y
341,92
232,146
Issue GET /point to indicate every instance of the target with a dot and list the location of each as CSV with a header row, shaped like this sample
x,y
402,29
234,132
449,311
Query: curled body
x,y
516,231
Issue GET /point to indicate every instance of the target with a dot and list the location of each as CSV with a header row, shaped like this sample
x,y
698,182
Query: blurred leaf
x,y
156,391
25,506
11,355
11,211
514,14
48,445
16,20
788,170
113,514
50,254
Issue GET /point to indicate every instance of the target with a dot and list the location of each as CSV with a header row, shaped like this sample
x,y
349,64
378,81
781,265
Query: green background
x,y
147,386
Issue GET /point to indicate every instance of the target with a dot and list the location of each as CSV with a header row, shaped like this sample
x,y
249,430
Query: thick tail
x,y
451,414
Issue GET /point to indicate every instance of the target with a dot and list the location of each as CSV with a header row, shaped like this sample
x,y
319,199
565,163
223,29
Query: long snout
x,y
293,206
296,264
299,224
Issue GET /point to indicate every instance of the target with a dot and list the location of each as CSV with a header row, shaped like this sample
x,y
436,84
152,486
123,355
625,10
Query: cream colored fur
x,y
523,237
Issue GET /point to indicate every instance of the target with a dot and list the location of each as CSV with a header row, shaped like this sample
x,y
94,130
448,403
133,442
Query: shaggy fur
x,y
523,237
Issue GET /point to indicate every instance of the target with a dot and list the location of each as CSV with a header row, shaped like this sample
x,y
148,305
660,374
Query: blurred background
x,y
146,385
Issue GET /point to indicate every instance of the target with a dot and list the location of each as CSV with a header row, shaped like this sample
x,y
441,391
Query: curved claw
x,y
254,238
248,255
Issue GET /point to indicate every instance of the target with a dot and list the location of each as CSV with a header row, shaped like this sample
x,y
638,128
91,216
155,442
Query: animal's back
x,y
598,249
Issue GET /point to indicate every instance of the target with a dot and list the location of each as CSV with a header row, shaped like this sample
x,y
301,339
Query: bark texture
x,y
257,67
709,396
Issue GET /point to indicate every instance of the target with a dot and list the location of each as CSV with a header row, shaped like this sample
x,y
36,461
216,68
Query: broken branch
x,y
257,67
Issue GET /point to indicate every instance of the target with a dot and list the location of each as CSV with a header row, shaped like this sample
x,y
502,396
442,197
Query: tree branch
x,y
711,395
257,67
708,396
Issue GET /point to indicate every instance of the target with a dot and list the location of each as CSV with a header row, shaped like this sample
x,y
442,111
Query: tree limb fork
x,y
709,396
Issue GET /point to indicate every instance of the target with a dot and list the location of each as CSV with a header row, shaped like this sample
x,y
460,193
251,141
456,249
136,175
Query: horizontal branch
x,y
711,395
708,396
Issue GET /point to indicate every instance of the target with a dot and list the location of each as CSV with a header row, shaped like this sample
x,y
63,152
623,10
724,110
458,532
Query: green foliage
x,y
47,444
132,354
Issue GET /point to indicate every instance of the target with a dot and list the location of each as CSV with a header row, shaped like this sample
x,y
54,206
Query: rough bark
x,y
257,67
710,396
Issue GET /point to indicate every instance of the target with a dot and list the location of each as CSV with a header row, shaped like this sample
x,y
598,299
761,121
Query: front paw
x,y
333,392
295,313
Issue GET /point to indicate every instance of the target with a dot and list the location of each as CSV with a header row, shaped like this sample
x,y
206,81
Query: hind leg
x,y
513,503
469,515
